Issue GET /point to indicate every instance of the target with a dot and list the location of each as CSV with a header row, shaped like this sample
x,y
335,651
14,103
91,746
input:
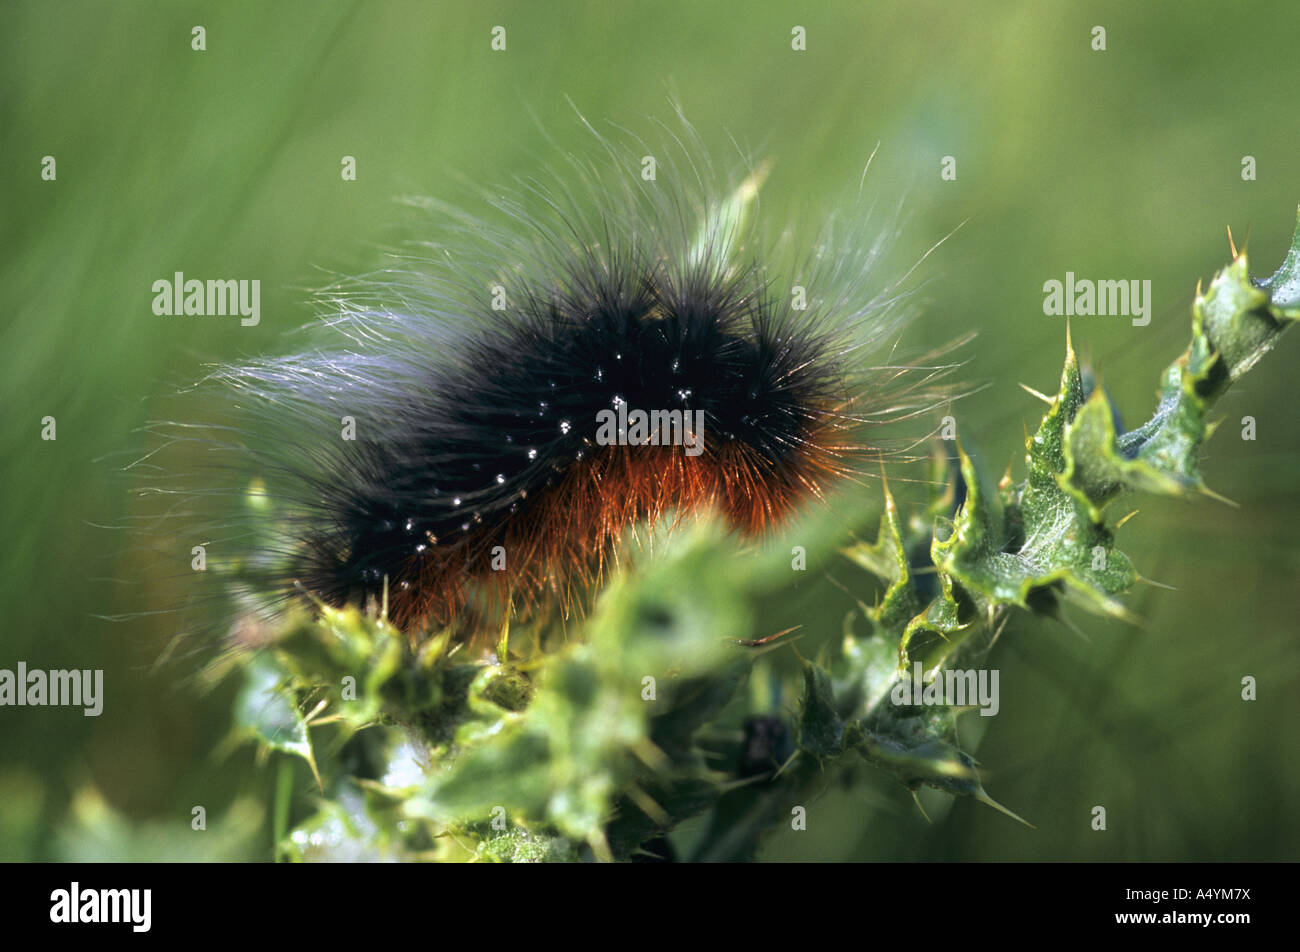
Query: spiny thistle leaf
x,y
266,708
1045,536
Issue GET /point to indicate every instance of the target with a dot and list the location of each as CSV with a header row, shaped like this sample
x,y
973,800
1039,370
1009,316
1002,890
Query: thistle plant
x,y
599,742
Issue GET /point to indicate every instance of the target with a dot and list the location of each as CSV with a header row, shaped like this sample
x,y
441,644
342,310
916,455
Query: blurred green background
x,y
1117,164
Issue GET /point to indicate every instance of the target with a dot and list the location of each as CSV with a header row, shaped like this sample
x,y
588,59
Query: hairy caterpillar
x,y
450,447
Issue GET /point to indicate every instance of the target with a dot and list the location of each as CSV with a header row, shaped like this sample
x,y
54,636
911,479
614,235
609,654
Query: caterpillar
x,y
477,424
